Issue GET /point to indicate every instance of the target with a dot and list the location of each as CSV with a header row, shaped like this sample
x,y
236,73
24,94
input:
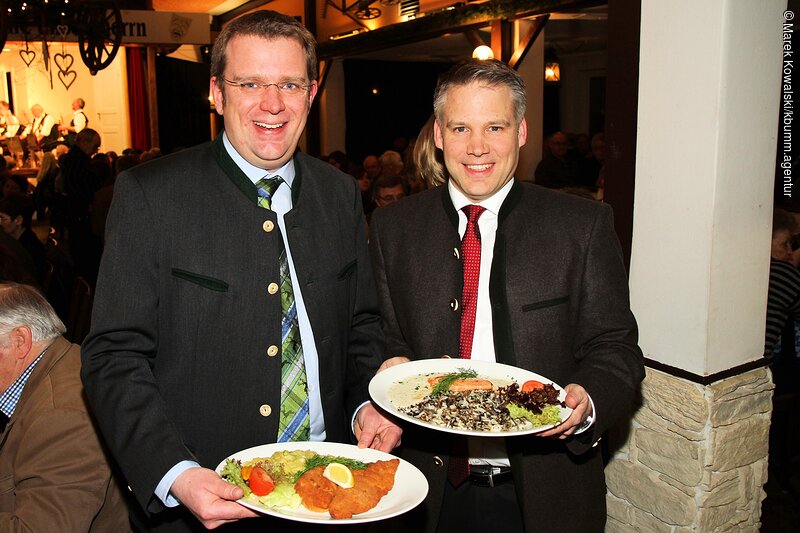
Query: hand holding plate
x,y
209,498
374,430
578,400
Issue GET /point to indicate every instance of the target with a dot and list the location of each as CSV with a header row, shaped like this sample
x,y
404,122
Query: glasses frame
x,y
262,87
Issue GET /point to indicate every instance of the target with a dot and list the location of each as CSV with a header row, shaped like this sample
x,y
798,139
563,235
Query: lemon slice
x,y
339,474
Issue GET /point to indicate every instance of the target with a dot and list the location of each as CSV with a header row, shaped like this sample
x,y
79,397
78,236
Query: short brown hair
x,y
268,25
489,72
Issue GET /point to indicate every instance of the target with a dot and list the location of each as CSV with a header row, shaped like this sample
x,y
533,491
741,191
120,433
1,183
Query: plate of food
x,y
324,482
470,397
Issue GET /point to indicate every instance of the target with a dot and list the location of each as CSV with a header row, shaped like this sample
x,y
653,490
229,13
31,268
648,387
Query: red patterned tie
x,y
471,255
458,468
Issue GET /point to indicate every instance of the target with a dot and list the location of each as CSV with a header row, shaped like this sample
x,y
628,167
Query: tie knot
x,y
266,188
473,212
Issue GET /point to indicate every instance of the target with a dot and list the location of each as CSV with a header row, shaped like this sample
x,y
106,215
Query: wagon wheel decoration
x,y
99,31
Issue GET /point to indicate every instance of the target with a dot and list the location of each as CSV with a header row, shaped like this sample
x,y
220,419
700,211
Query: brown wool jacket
x,y
54,475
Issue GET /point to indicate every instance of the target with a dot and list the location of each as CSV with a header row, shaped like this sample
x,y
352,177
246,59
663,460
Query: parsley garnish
x,y
324,460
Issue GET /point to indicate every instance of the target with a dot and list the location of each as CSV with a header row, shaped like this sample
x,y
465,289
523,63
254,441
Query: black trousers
x,y
481,509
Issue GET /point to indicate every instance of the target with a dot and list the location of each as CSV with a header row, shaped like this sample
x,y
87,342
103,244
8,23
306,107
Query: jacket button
x,y
265,410
456,253
272,288
437,460
268,226
272,351
454,304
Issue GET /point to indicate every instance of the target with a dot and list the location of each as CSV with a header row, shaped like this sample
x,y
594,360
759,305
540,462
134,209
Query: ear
x,y
312,92
18,221
437,135
216,93
20,341
523,132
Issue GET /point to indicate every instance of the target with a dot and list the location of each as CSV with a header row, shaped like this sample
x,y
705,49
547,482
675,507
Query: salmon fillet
x,y
464,384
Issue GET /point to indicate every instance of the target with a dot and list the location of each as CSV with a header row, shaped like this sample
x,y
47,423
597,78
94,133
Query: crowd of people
x,y
240,302
53,231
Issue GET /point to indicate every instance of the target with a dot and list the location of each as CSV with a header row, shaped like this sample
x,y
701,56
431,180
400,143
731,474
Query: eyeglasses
x,y
252,88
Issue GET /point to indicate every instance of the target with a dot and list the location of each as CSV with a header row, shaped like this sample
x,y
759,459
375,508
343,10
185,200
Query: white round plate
x,y
410,485
379,387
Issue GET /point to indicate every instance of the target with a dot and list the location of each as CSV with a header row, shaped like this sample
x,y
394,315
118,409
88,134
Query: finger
x,y
390,439
367,437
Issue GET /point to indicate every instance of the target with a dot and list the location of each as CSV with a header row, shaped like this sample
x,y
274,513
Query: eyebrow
x,y
502,122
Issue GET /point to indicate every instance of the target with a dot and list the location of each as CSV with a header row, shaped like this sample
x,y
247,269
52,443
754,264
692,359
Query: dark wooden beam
x,y
525,44
622,101
244,8
460,19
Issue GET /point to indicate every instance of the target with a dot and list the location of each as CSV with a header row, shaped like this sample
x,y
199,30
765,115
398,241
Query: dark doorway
x,y
385,100
183,107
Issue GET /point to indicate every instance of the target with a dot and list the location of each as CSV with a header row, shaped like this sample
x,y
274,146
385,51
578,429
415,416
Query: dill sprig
x,y
444,384
324,460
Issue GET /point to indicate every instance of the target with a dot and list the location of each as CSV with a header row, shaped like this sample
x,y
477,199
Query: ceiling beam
x,y
461,19
526,43
236,11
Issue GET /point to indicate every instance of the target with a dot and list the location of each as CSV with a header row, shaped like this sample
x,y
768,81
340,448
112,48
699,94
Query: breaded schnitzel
x,y
371,484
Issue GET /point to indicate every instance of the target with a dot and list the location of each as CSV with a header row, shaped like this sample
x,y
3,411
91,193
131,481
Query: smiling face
x,y
264,128
480,138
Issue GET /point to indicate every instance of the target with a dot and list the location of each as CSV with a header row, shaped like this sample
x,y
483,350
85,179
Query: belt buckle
x,y
485,479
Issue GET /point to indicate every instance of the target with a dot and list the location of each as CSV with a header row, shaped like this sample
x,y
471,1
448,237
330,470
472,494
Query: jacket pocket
x,y
545,303
204,281
347,271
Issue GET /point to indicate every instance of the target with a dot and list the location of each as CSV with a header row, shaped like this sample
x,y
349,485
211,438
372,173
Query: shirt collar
x,y
253,172
492,204
10,398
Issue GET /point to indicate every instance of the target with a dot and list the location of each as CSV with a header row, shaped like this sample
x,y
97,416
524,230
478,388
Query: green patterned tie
x,y
294,424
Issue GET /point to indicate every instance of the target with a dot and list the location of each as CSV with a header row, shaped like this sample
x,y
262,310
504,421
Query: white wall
x,y
708,109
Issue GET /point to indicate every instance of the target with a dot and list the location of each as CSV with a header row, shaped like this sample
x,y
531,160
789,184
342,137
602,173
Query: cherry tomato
x,y
532,385
260,482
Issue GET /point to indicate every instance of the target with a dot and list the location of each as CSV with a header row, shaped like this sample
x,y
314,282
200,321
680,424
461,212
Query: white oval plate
x,y
410,485
379,387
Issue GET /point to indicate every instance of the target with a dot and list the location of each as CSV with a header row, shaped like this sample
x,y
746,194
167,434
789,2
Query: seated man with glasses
x,y
388,189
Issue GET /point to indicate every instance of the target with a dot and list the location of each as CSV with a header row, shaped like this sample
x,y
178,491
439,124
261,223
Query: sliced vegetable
x,y
260,482
532,385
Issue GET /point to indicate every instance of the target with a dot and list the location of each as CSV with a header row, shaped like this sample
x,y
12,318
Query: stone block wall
x,y
694,458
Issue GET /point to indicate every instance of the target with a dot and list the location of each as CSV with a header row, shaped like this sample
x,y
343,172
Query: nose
x,y
272,100
477,145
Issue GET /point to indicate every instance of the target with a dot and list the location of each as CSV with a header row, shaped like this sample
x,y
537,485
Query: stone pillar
x,y
695,457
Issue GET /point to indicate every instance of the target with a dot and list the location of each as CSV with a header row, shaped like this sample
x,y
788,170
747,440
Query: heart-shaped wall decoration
x,y
67,78
64,62
62,30
27,56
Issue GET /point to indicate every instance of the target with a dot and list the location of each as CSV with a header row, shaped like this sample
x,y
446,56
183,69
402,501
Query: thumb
x,y
227,491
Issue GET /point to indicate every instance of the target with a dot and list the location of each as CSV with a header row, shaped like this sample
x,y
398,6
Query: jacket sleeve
x,y
395,343
119,353
610,363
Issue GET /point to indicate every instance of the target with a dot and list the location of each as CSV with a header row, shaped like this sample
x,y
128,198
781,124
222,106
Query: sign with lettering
x,y
138,27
